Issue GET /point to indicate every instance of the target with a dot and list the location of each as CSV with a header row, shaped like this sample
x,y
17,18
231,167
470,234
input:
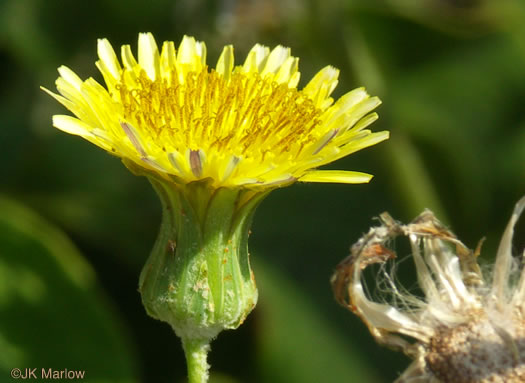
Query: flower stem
x,y
196,354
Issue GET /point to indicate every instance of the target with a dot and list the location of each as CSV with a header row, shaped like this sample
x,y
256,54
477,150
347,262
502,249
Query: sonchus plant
x,y
468,327
213,143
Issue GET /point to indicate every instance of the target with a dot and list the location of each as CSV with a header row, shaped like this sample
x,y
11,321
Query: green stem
x,y
196,354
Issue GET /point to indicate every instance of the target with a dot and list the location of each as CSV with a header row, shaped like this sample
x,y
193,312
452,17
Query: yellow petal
x,y
323,83
359,142
108,59
225,62
201,52
189,52
336,176
287,70
127,57
276,58
256,58
71,125
168,59
363,123
345,104
149,55
70,76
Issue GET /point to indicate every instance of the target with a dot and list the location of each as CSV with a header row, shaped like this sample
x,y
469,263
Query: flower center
x,y
244,115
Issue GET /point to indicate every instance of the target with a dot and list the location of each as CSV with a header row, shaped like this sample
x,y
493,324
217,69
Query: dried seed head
x,y
464,330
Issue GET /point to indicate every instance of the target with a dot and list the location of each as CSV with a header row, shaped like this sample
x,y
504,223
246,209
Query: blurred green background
x,y
76,226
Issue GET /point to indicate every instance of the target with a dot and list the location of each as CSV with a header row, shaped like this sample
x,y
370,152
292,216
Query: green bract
x,y
198,277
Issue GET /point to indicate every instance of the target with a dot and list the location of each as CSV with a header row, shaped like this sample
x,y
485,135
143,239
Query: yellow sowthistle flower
x,y
213,143
247,125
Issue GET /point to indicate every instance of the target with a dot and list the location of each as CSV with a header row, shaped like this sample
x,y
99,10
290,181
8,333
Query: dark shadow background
x,y
451,74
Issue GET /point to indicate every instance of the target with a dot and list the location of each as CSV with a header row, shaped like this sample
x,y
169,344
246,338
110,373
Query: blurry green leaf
x,y
297,344
461,111
411,178
52,315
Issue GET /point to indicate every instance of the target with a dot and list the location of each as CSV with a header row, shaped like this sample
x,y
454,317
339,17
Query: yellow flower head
x,y
245,125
